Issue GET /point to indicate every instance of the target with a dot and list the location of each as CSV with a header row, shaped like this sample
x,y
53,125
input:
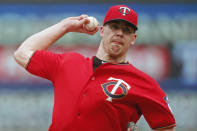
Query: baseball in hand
x,y
92,25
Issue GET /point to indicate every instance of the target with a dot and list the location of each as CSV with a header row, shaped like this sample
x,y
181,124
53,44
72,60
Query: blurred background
x,y
166,49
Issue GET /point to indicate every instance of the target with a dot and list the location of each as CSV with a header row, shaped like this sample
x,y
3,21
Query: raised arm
x,y
42,40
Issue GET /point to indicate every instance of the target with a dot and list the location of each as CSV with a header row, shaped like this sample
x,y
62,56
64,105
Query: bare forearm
x,y
45,38
39,41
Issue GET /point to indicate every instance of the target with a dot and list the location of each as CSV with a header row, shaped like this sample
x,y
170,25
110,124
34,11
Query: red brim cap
x,y
121,12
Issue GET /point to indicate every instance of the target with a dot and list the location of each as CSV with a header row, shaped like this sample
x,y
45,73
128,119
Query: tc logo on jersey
x,y
114,85
124,10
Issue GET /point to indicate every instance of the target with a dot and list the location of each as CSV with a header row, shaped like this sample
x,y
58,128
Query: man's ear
x,y
134,39
101,31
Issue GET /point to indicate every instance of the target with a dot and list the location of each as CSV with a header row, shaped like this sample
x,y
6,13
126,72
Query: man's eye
x,y
126,30
114,27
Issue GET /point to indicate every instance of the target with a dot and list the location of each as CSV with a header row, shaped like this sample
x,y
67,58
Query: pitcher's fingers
x,y
83,16
84,21
76,18
92,32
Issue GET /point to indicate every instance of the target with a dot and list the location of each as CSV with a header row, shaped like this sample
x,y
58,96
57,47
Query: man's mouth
x,y
117,42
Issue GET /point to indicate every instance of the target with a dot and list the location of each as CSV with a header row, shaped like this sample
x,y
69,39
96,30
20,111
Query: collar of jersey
x,y
96,59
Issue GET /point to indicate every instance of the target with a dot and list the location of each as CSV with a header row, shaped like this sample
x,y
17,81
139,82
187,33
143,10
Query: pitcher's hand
x,y
76,24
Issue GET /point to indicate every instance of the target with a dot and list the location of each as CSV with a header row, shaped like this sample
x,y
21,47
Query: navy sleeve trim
x,y
165,127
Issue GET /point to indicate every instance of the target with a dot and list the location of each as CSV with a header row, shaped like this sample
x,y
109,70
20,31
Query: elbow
x,y
16,55
21,57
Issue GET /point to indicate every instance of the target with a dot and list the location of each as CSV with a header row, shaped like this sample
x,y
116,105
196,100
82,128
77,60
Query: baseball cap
x,y
121,12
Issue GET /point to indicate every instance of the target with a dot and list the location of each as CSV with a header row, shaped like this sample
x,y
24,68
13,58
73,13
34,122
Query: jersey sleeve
x,y
44,64
155,108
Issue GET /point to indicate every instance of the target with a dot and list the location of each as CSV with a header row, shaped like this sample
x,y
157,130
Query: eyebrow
x,y
124,23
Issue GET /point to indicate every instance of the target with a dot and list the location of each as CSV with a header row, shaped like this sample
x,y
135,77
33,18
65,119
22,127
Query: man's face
x,y
117,37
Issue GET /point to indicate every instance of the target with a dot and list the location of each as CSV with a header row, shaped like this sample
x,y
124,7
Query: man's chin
x,y
115,54
116,49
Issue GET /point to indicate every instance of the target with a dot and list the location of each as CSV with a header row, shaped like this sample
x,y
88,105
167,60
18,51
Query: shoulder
x,y
144,82
60,58
73,56
139,74
55,55
74,60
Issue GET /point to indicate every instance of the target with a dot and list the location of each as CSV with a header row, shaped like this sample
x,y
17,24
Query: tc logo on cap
x,y
124,10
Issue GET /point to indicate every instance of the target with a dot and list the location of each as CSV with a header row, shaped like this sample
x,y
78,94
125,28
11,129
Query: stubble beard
x,y
115,51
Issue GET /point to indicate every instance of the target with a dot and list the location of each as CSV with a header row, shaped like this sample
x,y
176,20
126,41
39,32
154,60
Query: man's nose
x,y
119,32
